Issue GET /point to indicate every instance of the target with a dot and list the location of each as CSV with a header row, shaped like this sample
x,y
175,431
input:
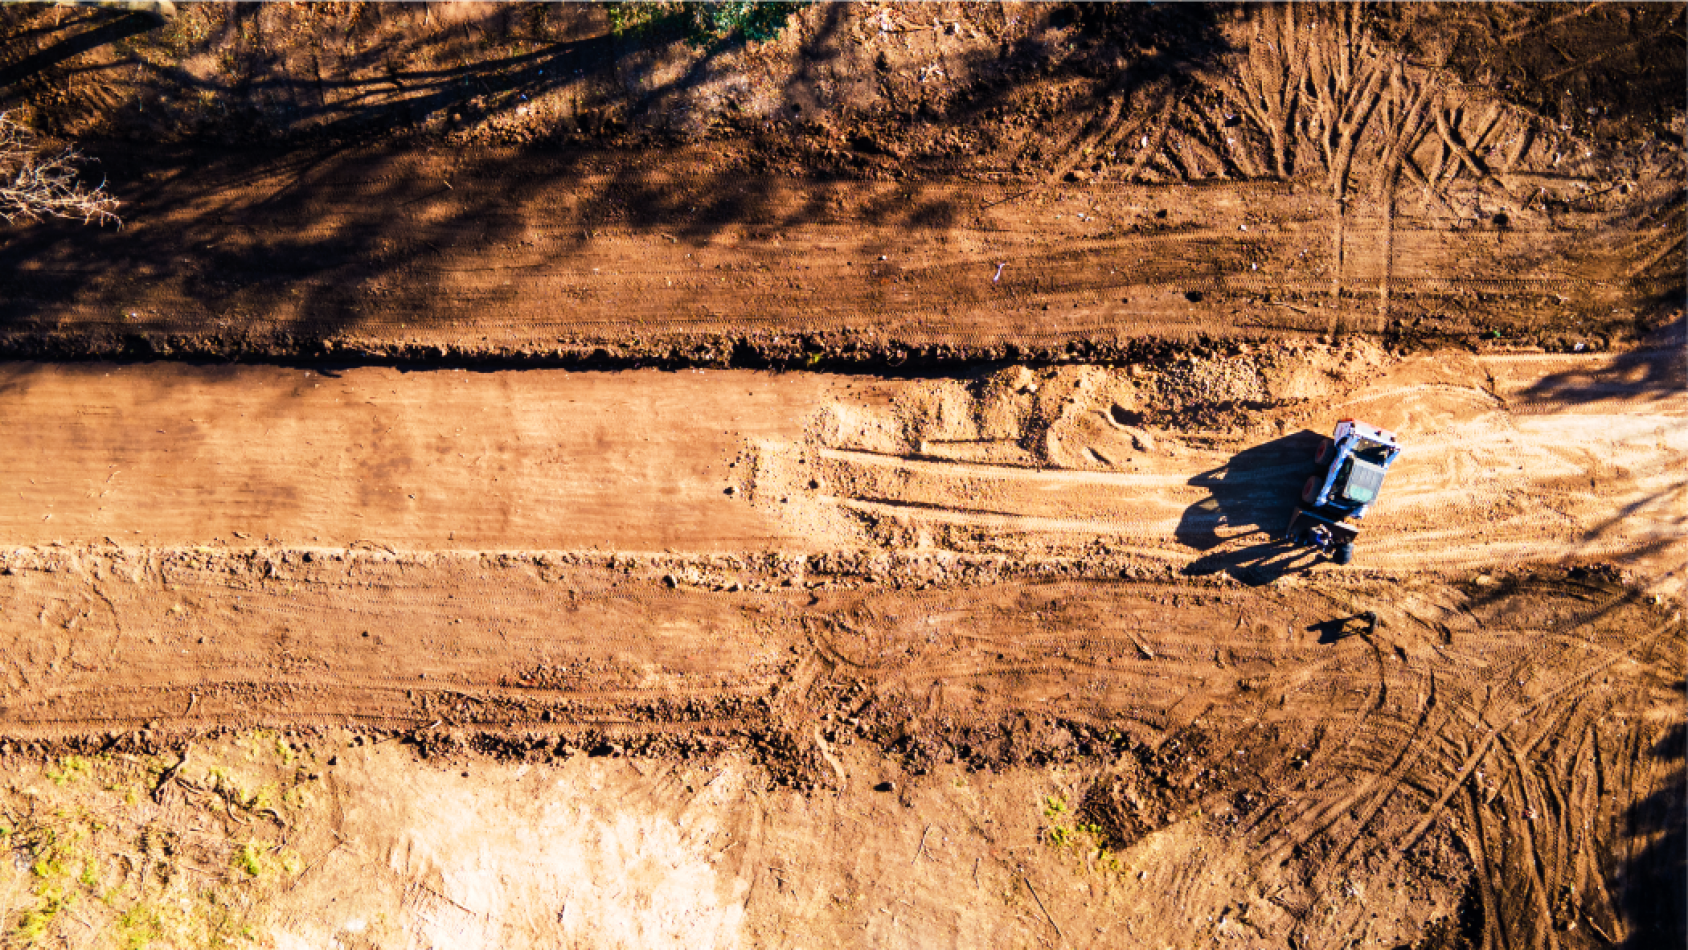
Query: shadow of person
x,y
1341,628
1257,489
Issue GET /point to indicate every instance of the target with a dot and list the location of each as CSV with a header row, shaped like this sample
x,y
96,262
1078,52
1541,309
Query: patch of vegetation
x,y
1065,831
757,22
70,769
75,855
707,23
38,920
139,927
260,859
247,860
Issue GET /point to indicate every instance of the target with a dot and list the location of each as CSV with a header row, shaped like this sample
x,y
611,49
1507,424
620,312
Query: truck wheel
x,y
1310,490
1344,552
1323,454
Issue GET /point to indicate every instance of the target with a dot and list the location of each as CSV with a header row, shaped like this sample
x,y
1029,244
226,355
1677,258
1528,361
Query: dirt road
x,y
1529,458
526,477
433,460
829,579
1230,732
1502,465
490,254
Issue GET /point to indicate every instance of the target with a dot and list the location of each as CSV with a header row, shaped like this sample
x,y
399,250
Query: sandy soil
x,y
421,460
1277,772
930,583
524,479
1511,458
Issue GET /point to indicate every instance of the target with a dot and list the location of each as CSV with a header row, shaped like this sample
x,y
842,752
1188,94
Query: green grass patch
x,y
37,920
70,769
247,858
706,23
1062,830
139,927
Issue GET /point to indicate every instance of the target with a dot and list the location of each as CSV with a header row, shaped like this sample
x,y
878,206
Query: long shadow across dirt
x,y
112,30
321,226
1652,903
1656,371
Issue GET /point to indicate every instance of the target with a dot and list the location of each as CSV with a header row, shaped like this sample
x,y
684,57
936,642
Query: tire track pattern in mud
x,y
1059,458
1507,753
1529,719
1103,268
1314,181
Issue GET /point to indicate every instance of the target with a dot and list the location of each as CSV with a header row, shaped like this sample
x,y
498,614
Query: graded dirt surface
x,y
1038,586
541,475
421,460
474,254
1520,457
868,188
1280,780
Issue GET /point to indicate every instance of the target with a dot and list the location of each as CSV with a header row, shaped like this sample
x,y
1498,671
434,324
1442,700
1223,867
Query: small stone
x,y
730,490
885,787
670,581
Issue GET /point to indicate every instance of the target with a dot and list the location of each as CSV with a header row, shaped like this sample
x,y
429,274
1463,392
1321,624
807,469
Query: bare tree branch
x,y
35,184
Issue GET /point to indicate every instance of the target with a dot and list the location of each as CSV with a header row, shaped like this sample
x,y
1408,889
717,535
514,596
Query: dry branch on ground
x,y
37,183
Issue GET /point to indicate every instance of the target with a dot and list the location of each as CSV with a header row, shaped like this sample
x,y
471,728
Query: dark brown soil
x,y
993,340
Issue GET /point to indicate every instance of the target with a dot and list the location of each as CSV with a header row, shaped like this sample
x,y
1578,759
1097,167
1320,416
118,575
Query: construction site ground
x,y
523,476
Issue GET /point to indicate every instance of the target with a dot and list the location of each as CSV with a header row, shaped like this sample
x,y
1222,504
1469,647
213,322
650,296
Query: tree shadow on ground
x,y
246,239
113,27
1656,371
1608,48
373,94
1657,875
1658,367
1258,488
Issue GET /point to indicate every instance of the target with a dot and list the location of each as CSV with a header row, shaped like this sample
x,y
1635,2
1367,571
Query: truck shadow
x,y
1257,489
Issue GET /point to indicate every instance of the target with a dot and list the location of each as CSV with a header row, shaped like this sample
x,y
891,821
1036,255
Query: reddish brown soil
x,y
1497,714
1131,195
864,444
477,254
849,577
